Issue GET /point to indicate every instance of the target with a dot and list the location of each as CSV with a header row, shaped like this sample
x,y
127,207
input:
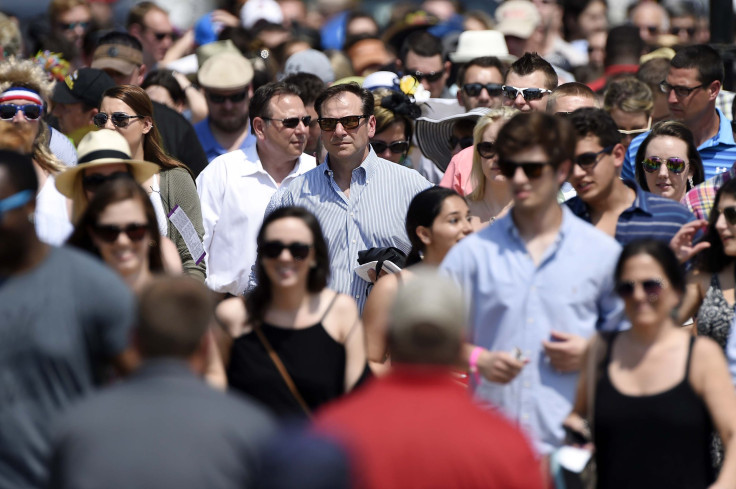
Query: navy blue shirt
x,y
650,216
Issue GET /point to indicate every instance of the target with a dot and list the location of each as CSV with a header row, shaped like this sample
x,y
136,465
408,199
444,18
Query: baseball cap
x,y
517,18
118,57
84,85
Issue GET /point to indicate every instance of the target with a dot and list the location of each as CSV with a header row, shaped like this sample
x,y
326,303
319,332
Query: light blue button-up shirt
x,y
372,216
515,303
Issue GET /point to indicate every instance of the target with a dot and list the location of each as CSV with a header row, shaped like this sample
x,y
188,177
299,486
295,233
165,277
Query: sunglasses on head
x,y
730,214
431,77
14,201
465,142
92,183
652,288
119,119
235,98
396,147
654,163
109,233
273,249
347,122
73,25
474,89
529,94
291,122
589,160
30,111
486,149
680,91
532,169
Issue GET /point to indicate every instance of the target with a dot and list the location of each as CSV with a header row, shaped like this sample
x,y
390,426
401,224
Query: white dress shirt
x,y
234,191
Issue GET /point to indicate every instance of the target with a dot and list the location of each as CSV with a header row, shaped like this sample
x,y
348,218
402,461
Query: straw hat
x,y
99,148
474,44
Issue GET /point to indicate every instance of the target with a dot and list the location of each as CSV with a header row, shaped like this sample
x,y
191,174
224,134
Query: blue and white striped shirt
x,y
372,216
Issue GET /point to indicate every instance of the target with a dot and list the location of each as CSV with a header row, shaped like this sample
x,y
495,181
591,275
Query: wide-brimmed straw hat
x,y
475,44
99,148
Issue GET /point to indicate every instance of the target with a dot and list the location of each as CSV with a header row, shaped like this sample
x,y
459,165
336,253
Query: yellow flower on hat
x,y
408,84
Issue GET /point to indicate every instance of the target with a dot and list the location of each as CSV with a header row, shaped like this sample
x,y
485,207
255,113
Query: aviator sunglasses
x,y
396,147
291,122
30,111
529,94
654,163
348,122
110,233
119,119
652,288
532,169
273,249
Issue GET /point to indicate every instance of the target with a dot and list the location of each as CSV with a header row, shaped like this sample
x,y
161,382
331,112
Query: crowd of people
x,y
281,243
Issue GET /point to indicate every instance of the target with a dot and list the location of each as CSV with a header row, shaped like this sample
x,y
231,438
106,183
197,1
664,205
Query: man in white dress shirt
x,y
236,187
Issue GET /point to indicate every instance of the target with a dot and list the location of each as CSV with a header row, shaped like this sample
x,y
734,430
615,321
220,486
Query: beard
x,y
230,124
18,137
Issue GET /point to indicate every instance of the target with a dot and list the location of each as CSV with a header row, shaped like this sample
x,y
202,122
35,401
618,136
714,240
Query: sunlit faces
x,y
157,34
595,182
125,255
348,145
663,181
693,106
274,138
228,109
72,24
484,76
490,165
19,132
536,79
285,270
726,230
534,194
450,226
432,71
393,139
628,122
136,129
645,305
593,18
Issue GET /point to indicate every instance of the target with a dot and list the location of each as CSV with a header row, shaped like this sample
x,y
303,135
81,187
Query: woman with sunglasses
x,y
630,104
668,162
491,197
292,343
395,115
654,393
127,109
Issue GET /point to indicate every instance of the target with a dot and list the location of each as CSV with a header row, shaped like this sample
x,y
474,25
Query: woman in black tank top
x,y
653,393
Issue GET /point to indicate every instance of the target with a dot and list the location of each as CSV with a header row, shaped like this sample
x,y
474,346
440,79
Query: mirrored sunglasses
x,y
532,170
273,249
119,119
396,147
347,122
30,111
529,94
474,89
654,163
652,288
486,149
110,233
291,122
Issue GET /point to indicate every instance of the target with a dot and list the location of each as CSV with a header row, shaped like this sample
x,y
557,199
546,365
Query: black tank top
x,y
653,441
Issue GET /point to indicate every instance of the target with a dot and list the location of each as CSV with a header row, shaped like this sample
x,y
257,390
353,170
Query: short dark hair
x,y
703,58
482,62
527,130
138,12
714,259
531,62
309,85
423,210
173,316
165,78
119,38
624,45
571,89
597,122
653,72
423,44
366,97
661,253
260,102
20,170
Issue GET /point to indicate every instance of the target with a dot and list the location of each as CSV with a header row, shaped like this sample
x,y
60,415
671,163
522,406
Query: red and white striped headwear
x,y
19,93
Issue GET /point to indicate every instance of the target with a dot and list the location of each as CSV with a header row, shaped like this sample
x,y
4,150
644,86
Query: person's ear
x,y
424,234
371,126
619,154
563,172
148,124
713,89
259,128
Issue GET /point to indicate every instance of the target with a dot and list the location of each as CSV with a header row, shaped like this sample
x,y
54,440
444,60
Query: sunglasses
x,y
119,119
73,25
587,161
235,98
30,111
431,77
654,163
160,36
291,122
680,91
14,201
652,288
730,214
347,122
465,142
532,169
676,31
529,94
486,149
474,89
92,183
110,233
273,249
396,147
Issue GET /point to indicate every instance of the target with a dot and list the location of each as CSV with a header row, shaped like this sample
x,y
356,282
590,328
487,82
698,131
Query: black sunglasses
x,y
235,98
160,36
73,25
532,169
474,89
273,249
119,119
676,30
92,183
587,161
30,111
486,149
110,233
652,288
465,142
730,214
348,122
654,163
431,77
528,93
680,91
291,122
396,147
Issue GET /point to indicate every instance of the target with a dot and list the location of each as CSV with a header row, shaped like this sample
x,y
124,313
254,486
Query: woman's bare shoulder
x,y
231,314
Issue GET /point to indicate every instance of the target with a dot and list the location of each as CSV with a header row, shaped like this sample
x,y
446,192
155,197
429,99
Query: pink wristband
x,y
473,363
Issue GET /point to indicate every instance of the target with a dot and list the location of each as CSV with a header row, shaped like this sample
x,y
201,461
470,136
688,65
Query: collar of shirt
x,y
724,135
508,224
640,204
253,163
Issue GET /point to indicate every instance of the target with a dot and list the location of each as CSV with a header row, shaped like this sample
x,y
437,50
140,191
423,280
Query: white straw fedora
x,y
474,44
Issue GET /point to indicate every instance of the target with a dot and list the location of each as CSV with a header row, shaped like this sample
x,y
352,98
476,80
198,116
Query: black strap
x,y
334,299
689,356
103,153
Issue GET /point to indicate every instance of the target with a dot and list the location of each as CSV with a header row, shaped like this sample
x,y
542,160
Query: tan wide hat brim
x,y
141,171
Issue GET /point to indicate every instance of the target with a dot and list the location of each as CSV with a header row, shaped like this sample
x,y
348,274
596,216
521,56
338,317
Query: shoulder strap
x,y
689,356
327,311
282,371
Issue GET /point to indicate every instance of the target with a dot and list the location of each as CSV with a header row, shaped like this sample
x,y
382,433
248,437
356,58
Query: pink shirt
x,y
457,176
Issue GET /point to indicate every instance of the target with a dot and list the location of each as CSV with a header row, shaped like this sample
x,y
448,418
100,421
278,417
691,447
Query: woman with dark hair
x,y
395,115
293,344
174,90
127,109
668,162
653,393
436,219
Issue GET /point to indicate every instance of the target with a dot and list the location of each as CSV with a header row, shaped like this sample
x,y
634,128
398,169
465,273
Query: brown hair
x,y
553,134
138,12
58,7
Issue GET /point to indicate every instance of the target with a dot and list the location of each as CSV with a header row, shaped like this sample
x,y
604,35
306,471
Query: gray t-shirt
x,y
60,323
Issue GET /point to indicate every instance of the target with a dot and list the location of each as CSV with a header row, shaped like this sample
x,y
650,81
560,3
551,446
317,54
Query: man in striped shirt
x,y
620,208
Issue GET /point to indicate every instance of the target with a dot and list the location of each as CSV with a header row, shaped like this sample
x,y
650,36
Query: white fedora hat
x,y
474,44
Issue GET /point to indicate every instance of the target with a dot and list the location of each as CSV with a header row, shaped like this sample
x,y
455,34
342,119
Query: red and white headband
x,y
18,93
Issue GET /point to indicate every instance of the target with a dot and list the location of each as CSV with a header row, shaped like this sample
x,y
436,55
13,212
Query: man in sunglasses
x,y
481,83
619,208
538,281
150,24
529,82
568,97
236,187
422,56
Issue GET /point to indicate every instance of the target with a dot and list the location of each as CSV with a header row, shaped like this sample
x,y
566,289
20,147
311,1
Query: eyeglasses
x,y
235,98
30,111
110,233
92,183
587,161
347,122
73,25
160,36
486,149
532,169
652,288
680,91
273,249
730,214
291,122
14,201
654,163
676,30
652,29
474,89
119,119
465,142
431,77
529,94
396,147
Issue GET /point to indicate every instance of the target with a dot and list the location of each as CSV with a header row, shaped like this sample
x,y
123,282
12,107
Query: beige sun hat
x,y
225,71
102,147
